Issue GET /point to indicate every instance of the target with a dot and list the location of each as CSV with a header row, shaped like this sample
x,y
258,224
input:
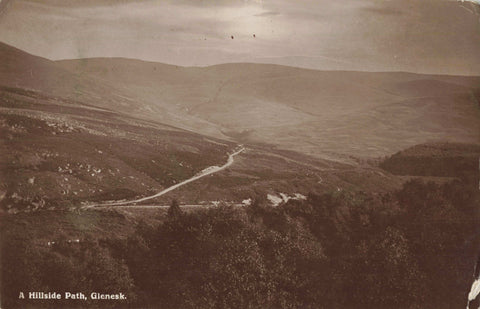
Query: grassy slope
x,y
21,70
64,153
66,146
316,112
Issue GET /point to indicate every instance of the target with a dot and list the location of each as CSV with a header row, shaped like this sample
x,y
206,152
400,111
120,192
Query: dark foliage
x,y
415,248
438,160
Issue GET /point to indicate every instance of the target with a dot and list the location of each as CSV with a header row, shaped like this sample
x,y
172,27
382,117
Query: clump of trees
x,y
414,248
438,160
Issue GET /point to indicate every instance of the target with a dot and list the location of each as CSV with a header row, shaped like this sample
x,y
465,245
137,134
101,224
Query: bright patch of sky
x,y
436,36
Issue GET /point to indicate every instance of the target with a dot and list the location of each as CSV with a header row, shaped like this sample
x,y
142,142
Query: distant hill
x,y
62,145
327,114
21,70
321,113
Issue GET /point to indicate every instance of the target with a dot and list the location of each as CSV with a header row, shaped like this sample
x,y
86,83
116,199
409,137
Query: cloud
x,y
406,35
82,3
97,3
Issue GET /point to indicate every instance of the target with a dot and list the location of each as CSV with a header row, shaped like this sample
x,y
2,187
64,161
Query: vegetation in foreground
x,y
415,248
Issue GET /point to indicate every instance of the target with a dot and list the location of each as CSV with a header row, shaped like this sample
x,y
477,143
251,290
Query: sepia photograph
x,y
239,154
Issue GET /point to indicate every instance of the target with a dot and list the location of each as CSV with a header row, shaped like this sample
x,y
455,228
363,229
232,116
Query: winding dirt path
x,y
207,171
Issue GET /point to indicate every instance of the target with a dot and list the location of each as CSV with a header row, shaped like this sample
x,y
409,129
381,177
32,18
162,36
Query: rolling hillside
x,y
61,153
58,153
108,129
327,114
21,70
316,112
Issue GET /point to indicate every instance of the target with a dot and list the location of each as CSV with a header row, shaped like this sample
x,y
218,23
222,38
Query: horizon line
x,y
246,62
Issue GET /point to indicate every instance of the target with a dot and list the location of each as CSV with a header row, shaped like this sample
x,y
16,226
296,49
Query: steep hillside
x,y
316,112
73,133
21,70
61,153
58,153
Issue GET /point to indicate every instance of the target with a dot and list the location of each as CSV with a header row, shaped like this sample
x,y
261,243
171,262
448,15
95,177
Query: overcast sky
x,y
436,36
